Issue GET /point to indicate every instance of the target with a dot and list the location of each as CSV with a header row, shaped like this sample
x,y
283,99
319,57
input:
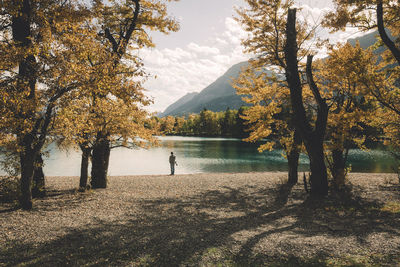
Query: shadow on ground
x,y
201,231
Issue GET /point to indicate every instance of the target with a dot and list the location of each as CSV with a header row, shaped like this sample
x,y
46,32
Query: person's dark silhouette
x,y
172,163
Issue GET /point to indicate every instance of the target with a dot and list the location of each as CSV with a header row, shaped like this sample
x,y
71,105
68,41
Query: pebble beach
x,y
217,219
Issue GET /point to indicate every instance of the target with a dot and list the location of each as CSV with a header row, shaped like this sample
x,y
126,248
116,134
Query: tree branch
x,y
322,116
292,75
111,39
382,32
131,28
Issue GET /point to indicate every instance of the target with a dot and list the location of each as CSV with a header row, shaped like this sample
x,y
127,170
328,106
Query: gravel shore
x,y
225,219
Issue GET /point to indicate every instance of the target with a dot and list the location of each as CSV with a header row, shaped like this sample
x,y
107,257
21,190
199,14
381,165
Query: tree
x,y
191,125
351,106
367,15
228,123
384,83
279,42
123,28
178,126
78,117
241,123
269,115
209,123
167,124
35,49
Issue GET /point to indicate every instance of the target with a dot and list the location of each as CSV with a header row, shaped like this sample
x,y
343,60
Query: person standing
x,y
172,163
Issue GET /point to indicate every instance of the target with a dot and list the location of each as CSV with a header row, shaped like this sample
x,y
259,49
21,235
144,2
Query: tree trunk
x,y
312,137
338,168
100,159
27,168
21,32
293,159
38,189
293,164
84,167
318,176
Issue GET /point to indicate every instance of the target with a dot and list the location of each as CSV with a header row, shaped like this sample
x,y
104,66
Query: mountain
x,y
218,96
366,40
180,102
370,39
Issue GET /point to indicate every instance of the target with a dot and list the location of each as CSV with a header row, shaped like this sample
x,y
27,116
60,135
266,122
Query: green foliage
x,y
208,123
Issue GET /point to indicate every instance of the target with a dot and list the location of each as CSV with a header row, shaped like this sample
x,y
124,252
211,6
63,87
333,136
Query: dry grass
x,y
249,219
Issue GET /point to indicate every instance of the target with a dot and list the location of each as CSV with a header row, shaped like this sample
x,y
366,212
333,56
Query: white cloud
x,y
203,49
193,67
178,54
222,59
234,33
313,13
221,41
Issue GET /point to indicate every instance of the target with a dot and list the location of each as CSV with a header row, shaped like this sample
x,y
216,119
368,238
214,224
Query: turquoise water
x,y
199,155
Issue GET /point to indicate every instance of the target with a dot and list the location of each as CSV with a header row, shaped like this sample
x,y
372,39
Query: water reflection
x,y
199,155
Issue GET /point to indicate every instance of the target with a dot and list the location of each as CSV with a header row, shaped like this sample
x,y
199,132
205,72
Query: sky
x,y
206,46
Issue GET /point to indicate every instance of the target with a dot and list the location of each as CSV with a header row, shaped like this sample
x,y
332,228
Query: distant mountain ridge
x,y
220,94
368,40
180,102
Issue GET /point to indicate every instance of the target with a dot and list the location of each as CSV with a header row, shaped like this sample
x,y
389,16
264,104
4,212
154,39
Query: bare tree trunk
x,y
100,160
27,166
312,137
38,189
86,151
27,161
318,171
21,32
293,159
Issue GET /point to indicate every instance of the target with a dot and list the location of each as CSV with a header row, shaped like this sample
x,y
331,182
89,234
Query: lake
x,y
202,155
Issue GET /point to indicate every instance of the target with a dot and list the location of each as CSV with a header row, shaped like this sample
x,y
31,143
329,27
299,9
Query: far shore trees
x,y
228,123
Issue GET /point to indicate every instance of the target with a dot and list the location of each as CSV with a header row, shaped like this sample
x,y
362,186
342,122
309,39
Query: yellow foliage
x,y
262,83
269,115
83,84
362,14
341,78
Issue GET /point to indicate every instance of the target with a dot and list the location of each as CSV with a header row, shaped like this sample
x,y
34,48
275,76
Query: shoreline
x,y
220,173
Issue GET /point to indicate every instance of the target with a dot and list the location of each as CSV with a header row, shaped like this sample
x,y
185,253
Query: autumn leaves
x,y
331,105
70,72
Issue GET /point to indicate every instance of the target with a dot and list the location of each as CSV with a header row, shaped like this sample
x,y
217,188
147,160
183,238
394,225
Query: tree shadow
x,y
65,198
8,207
217,226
